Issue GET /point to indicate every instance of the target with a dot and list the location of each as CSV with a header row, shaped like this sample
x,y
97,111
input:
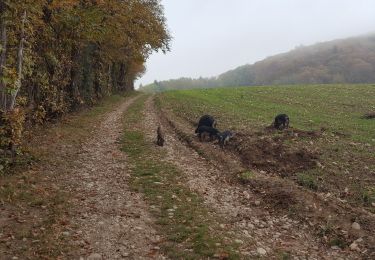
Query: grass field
x,y
337,107
343,144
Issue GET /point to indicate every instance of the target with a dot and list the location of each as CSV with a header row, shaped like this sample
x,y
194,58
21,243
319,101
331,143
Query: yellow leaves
x,y
11,127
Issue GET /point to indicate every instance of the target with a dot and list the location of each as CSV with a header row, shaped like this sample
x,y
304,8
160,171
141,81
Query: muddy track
x,y
247,211
108,220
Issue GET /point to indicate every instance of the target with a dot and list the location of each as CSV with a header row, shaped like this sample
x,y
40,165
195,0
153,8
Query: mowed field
x,y
329,148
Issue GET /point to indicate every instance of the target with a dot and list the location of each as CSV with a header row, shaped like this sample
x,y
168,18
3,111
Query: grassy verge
x,y
33,209
190,231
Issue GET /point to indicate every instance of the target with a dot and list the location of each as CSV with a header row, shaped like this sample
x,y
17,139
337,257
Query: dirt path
x,y
109,221
243,215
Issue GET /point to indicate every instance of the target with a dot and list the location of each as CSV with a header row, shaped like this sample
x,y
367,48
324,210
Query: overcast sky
x,y
213,36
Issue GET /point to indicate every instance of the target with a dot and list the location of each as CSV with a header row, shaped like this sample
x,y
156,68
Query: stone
x,y
354,247
246,195
257,202
261,251
238,241
356,226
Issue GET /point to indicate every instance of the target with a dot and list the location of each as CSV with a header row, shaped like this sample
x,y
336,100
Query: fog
x,y
213,36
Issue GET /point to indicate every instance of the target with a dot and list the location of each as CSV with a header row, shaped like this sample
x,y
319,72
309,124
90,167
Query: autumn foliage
x,y
59,55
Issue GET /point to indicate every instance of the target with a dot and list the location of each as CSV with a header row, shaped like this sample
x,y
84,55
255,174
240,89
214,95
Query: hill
x,y
349,60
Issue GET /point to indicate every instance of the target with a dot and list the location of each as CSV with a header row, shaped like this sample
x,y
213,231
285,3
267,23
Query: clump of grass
x,y
308,181
368,196
246,176
284,256
340,242
326,229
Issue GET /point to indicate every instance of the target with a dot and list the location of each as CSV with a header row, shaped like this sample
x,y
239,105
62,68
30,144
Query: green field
x,y
346,140
339,108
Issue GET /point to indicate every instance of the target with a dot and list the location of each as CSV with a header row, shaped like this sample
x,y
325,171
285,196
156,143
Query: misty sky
x,y
213,36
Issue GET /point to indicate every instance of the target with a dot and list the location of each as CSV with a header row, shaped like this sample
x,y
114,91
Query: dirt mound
x,y
273,154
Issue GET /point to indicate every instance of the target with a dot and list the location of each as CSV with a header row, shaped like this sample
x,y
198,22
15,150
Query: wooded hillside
x,y
341,61
59,55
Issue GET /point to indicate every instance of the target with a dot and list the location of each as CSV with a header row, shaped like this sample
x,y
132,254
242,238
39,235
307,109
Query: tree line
x,y
341,61
59,55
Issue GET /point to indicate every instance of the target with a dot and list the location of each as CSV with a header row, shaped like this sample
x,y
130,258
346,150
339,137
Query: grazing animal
x,y
206,120
281,121
224,138
160,139
203,130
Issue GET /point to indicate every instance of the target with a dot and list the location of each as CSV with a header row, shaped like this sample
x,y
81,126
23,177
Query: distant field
x,y
337,107
344,140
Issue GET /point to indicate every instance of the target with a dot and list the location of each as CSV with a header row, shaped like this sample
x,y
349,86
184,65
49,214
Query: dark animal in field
x,y
207,130
224,137
281,121
370,115
206,120
160,139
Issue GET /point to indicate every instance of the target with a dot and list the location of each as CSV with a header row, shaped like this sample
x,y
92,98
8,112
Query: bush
x,y
307,181
11,129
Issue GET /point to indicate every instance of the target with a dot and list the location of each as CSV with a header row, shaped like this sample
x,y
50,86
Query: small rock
x,y
238,241
222,226
14,257
246,195
373,204
251,226
261,251
101,223
335,248
257,202
356,226
94,256
354,247
66,233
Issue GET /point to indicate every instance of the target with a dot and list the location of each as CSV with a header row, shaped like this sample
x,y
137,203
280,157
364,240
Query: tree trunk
x,y
121,77
4,43
73,86
19,64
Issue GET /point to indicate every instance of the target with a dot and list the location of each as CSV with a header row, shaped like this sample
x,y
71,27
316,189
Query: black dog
x,y
206,120
224,138
281,121
203,130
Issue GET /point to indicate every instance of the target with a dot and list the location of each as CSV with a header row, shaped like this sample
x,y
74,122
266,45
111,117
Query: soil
x,y
266,152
